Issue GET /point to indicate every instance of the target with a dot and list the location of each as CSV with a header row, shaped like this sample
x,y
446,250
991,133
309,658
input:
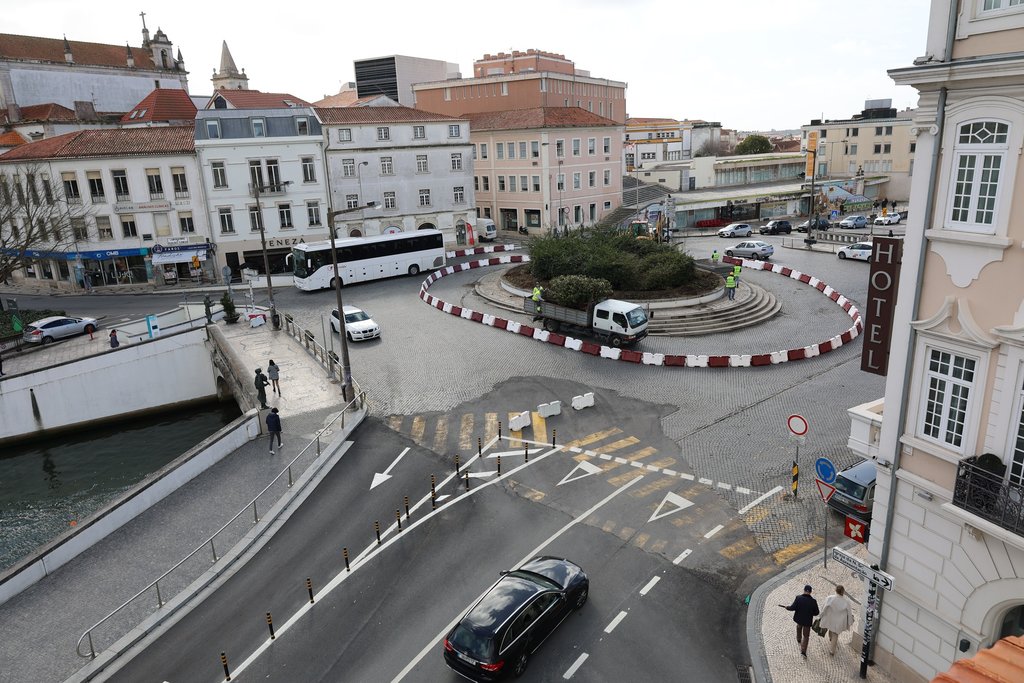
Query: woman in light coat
x,y
837,616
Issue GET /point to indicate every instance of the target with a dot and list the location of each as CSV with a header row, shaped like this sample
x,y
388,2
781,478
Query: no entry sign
x,y
797,424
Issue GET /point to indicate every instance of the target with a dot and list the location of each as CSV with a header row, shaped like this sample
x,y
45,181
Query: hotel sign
x,y
883,286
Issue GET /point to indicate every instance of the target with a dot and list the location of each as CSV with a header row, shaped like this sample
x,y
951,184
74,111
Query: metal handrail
x,y
359,399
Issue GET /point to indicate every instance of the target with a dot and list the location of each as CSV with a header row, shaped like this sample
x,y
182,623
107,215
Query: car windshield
x,y
356,317
636,317
850,488
464,639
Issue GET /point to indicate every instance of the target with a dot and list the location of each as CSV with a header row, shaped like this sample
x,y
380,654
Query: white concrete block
x,y
513,326
837,341
549,409
520,421
654,358
776,268
573,343
541,334
697,361
779,357
795,274
447,308
813,282
488,319
609,352
812,351
584,401
737,361
841,301
827,291
467,313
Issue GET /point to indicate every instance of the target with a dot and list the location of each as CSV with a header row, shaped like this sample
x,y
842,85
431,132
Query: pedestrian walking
x,y
114,343
804,609
537,296
274,373
730,286
736,270
261,388
714,257
274,429
836,617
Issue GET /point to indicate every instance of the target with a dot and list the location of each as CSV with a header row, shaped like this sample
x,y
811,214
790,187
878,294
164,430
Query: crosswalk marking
x,y
740,547
653,487
540,428
395,422
623,478
441,434
490,427
593,438
641,540
419,424
466,433
514,434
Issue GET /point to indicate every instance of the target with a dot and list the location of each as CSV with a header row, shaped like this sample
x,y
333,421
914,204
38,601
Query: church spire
x,y
129,56
229,77
145,31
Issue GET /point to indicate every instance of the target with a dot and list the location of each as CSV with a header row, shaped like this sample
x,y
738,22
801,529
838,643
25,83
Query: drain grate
x,y
743,674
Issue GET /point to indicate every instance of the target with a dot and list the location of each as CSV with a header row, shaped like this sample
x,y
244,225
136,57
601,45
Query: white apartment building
x,y
417,165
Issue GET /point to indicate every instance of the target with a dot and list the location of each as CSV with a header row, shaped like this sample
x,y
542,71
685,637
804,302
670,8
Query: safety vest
x,y
730,282
736,270
537,293
714,256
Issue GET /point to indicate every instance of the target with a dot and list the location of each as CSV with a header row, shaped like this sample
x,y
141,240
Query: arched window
x,y
1013,622
355,232
979,153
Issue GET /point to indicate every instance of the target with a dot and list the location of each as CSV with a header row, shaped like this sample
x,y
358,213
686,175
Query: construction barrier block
x,y
740,361
796,354
574,344
718,361
500,323
761,359
591,348
487,319
447,307
675,361
824,347
834,295
526,330
654,359
540,334
549,409
556,339
468,314
847,337
438,304
837,341
811,351
513,326
520,421
493,261
779,357
842,300
699,361
609,352
786,271
631,356
584,401
847,304
805,278
455,310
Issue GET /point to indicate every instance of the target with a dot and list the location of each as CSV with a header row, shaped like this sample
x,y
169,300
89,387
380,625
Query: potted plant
x,y
230,314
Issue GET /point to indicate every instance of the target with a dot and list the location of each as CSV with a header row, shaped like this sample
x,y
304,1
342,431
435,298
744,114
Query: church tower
x,y
229,77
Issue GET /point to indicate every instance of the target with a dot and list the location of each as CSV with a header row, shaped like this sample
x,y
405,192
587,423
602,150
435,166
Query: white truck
x,y
620,323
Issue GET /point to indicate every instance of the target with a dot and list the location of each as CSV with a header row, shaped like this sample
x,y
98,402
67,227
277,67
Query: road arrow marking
x,y
381,477
587,468
677,501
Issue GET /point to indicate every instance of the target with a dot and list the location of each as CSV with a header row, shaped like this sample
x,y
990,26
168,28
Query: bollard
x,y
526,454
433,492
456,463
344,553
309,587
499,432
479,447
499,465
407,507
796,477
376,528
398,519
467,480
554,433
270,623
224,663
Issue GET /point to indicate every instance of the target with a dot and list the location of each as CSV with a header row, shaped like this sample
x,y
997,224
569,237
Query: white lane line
x,y
682,556
747,507
671,473
575,666
620,460
727,487
650,585
604,456
714,531
615,622
745,491
706,482
684,475
429,647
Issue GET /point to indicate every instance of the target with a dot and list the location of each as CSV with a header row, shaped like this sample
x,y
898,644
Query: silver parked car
x,y
754,249
358,324
57,327
855,221
736,230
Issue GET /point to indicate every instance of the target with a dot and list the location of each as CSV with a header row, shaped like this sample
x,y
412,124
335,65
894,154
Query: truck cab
x,y
620,320
485,229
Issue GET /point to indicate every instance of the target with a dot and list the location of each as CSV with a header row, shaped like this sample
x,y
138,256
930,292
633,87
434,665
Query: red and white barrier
x,y
480,250
640,357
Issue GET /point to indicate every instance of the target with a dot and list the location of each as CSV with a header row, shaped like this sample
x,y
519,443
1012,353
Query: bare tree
x,y
36,216
708,149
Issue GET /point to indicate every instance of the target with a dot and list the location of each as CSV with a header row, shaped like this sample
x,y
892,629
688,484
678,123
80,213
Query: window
x,y
79,229
592,179
95,186
128,228
607,145
560,182
419,132
593,212
421,163
855,132
351,201
949,378
284,215
560,148
453,130
185,222
274,176
156,184
591,146
424,197
575,147
256,174
180,183
227,223
607,177
255,218
1017,456
459,195
348,168
523,183
500,149
71,193
121,192
913,147
259,128
483,150
476,183
213,129
220,178
386,166
535,183
308,170
501,183
576,180
853,147
511,150
978,154
390,200
313,213
535,149
383,133
522,150
1001,4
47,193
302,125
883,149
103,228
487,182
456,161
344,135
511,183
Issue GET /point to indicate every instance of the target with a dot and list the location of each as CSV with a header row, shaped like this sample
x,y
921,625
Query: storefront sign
x,y
174,240
883,285
811,152
160,248
284,241
141,207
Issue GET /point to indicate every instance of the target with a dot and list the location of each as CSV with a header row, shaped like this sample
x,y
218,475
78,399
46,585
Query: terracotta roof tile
x,y
91,54
1001,663
538,117
637,121
11,138
118,142
334,115
255,99
163,104
341,99
42,112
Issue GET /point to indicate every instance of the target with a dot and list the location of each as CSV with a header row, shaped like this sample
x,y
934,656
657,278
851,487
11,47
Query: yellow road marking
x,y
658,546
625,477
514,435
631,457
591,438
395,422
419,423
641,540
738,548
620,444
663,463
653,487
441,434
466,433
756,515
540,428
608,527
490,427
625,533
787,554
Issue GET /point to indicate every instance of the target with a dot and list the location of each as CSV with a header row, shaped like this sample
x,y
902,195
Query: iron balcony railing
x,y
989,496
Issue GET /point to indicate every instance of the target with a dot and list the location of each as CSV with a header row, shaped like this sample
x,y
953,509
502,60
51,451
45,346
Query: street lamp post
x,y
346,366
257,189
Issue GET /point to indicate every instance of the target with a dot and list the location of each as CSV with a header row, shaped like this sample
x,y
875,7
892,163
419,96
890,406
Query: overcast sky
x,y
750,64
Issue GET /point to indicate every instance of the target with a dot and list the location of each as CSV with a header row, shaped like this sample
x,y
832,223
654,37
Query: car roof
x,y
504,599
350,309
862,473
556,569
43,321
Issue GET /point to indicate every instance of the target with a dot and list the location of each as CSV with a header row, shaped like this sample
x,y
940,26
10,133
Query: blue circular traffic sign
x,y
825,469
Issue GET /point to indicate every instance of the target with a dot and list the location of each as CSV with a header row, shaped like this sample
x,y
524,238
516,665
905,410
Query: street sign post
x,y
875,579
797,426
825,490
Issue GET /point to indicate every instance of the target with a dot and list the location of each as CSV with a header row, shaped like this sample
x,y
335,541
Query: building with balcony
x,y
948,520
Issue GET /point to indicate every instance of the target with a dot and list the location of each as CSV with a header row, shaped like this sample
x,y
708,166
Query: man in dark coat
x,y
261,388
804,609
274,428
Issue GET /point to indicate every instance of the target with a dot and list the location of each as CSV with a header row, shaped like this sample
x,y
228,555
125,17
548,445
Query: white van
x,y
485,230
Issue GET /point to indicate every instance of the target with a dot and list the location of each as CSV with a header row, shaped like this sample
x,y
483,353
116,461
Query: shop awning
x,y
181,256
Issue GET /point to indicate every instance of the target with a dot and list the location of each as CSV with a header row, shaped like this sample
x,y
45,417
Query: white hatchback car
x,y
736,230
57,327
754,249
888,219
358,324
861,251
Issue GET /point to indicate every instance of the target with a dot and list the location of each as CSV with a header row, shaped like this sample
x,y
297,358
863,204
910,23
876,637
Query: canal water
x,y
49,486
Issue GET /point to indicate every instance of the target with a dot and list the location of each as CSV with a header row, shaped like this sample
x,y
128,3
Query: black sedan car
x,y
499,633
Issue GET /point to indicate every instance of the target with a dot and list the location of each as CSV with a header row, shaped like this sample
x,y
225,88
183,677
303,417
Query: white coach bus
x,y
367,258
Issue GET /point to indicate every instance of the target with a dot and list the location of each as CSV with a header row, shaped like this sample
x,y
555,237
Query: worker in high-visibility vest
x,y
538,296
714,257
736,270
730,286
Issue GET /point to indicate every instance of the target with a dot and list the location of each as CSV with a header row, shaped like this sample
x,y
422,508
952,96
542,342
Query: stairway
x,y
753,305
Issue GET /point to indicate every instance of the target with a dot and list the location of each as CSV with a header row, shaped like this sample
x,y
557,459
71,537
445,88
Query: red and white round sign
x,y
797,424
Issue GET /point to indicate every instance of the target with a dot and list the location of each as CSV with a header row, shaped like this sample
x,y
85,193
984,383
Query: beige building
x,y
879,141
949,436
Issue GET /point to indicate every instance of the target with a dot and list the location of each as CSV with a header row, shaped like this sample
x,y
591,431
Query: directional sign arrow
x,y
584,468
674,500
863,569
381,477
